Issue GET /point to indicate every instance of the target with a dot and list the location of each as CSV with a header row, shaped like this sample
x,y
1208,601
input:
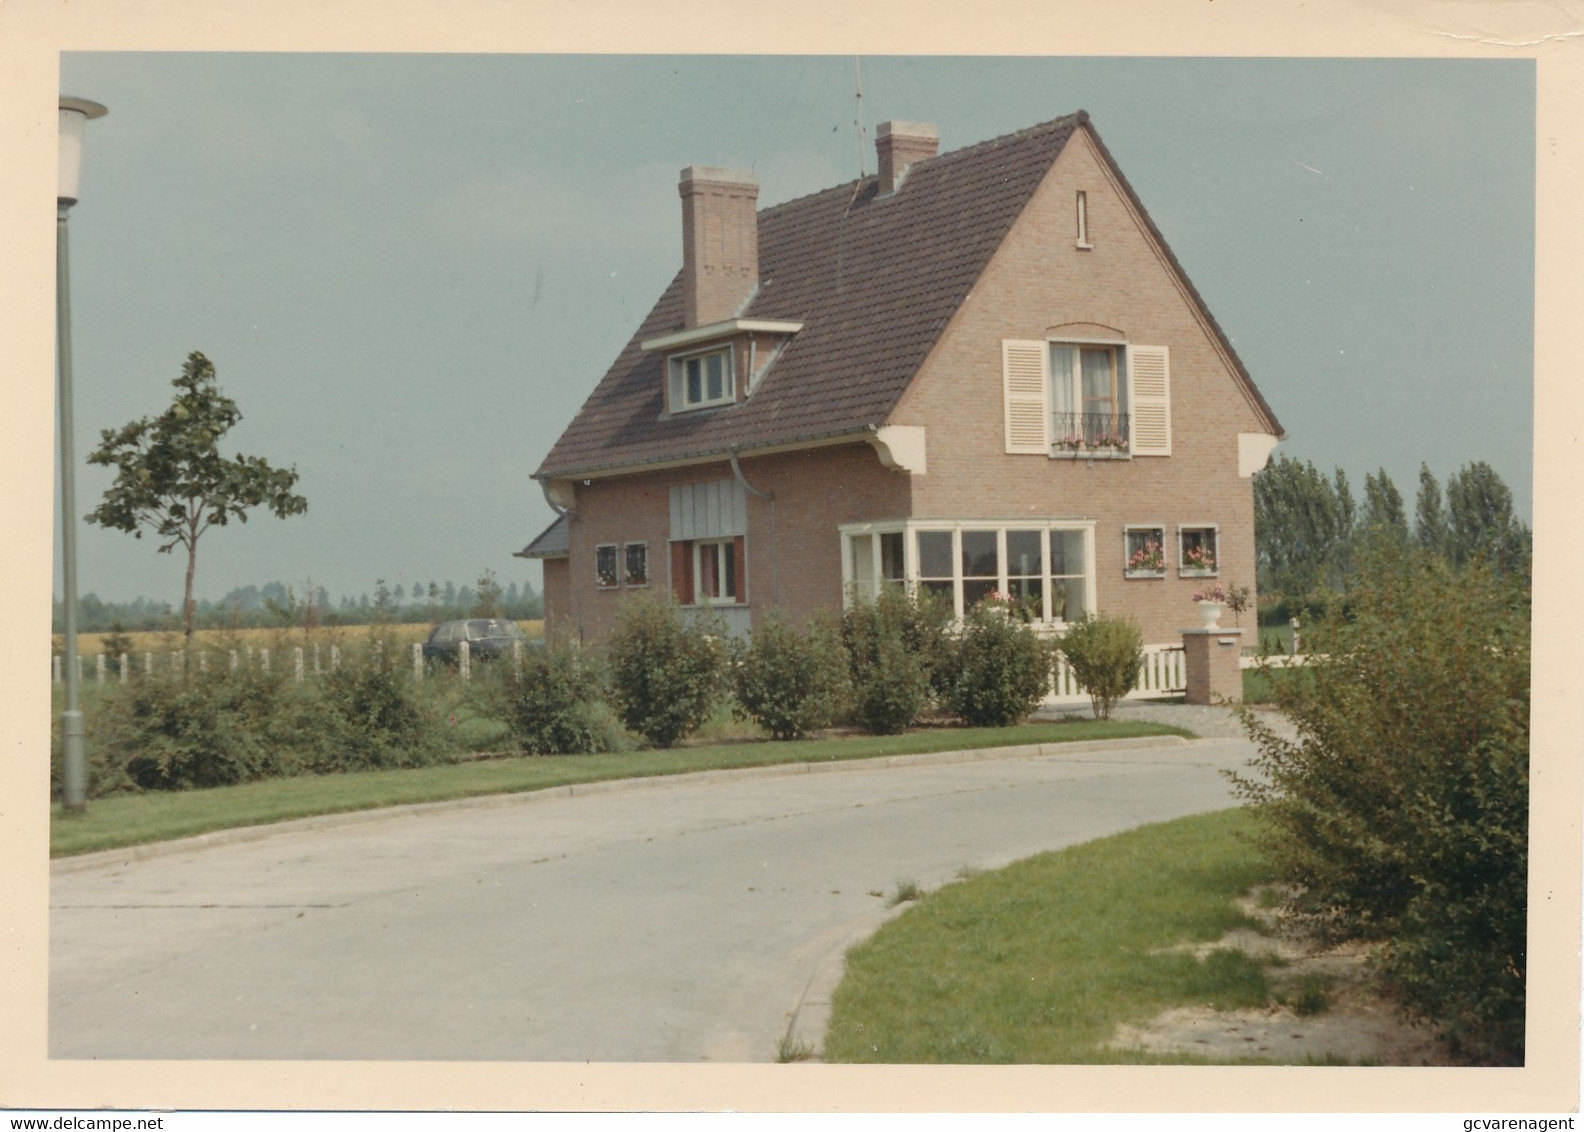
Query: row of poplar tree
x,y
1309,528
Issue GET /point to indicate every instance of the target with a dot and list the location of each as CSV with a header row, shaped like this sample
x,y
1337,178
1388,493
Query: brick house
x,y
978,371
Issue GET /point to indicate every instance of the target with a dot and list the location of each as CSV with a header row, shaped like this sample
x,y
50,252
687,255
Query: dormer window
x,y
701,380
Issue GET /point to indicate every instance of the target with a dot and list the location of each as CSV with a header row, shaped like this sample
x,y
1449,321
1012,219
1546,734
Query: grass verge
x,y
137,819
1037,963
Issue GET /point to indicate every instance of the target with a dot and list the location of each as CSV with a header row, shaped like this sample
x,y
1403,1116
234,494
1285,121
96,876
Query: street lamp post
x,y
74,112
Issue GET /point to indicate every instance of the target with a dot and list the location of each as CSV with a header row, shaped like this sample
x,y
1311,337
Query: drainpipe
x,y
571,517
775,575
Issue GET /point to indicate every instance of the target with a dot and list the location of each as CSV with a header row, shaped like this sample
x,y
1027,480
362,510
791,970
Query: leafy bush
x,y
1106,654
789,681
1399,813
1001,670
551,704
664,674
179,732
375,717
895,649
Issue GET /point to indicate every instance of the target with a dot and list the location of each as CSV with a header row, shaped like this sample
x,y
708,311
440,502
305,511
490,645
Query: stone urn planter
x,y
1210,614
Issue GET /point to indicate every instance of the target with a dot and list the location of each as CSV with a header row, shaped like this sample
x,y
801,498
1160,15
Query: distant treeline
x,y
276,603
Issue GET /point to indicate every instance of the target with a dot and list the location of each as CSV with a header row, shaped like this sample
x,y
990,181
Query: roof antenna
x,y
859,122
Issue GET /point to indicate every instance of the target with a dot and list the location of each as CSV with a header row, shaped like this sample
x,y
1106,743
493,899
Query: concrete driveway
x,y
668,921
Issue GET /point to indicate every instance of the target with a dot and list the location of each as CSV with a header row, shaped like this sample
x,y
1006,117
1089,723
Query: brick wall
x,y
1041,285
793,555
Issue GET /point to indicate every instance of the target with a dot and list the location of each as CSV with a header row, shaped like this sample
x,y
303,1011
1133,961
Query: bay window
x,y
1042,569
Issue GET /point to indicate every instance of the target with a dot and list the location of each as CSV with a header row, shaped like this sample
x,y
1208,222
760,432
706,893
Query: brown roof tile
x,y
874,280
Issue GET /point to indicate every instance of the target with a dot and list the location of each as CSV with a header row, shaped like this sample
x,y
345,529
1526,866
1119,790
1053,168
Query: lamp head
x,y
74,112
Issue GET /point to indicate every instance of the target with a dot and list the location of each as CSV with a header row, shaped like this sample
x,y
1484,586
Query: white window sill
x,y
1143,573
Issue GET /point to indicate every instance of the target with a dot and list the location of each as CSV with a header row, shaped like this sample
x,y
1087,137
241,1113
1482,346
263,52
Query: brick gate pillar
x,y
1212,659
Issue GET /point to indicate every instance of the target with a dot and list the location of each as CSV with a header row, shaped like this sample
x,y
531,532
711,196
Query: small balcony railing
x,y
1090,436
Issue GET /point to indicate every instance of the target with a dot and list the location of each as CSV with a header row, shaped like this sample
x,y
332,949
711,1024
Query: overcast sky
x,y
410,270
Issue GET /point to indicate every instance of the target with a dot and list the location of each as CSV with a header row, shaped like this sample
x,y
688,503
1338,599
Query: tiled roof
x,y
553,542
874,280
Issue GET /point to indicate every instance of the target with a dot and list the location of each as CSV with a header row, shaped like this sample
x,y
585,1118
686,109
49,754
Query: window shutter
x,y
1149,396
740,554
1025,375
682,572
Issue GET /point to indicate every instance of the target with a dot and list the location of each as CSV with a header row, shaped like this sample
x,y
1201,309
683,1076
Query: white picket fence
x,y
1164,676
305,662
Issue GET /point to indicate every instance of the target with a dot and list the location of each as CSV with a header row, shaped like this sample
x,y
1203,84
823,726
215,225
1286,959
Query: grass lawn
x,y
1037,963
136,819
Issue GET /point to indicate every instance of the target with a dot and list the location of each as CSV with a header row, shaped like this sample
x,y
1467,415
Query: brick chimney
x,y
720,242
900,144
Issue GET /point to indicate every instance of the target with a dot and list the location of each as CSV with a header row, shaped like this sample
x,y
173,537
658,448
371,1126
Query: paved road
x,y
677,921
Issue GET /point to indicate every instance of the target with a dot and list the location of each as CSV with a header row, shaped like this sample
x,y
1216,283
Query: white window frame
x,y
677,364
854,588
1186,571
1128,533
1081,207
1122,398
615,573
724,550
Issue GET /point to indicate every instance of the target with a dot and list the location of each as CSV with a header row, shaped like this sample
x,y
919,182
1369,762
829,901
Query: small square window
x,y
1197,551
1144,552
605,566
637,563
701,380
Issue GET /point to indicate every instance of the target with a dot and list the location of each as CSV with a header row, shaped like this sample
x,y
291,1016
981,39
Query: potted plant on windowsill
x,y
1198,561
1108,444
1148,561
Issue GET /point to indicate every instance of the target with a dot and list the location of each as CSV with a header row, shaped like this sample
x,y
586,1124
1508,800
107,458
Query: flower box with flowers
x,y
1148,561
1099,446
1198,562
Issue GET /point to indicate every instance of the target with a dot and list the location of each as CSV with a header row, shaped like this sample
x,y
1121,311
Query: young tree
x,y
487,601
171,478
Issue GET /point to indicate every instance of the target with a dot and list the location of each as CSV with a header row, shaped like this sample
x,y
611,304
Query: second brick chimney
x,y
900,144
720,242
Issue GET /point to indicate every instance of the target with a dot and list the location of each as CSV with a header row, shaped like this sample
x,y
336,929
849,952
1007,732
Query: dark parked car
x,y
487,637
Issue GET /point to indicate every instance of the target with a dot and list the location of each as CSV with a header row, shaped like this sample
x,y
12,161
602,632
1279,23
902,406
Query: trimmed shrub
x,y
376,717
895,650
1400,811
664,674
1001,670
789,681
1106,655
173,733
551,704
